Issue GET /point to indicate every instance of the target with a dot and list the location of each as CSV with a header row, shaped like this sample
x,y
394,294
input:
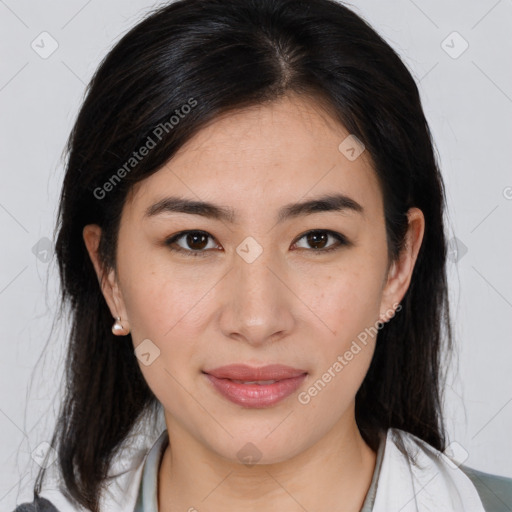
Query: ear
x,y
400,272
108,282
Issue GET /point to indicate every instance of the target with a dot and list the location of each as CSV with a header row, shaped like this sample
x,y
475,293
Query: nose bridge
x,y
259,304
257,279
253,261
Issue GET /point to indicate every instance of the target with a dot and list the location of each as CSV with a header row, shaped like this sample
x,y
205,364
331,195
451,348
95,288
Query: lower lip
x,y
256,395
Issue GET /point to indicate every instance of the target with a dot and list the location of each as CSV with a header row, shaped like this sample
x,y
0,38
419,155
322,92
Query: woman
x,y
251,240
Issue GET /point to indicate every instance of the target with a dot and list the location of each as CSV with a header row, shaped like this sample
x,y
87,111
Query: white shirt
x,y
435,483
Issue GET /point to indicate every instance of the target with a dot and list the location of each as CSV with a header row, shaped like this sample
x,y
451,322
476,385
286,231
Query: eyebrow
x,y
325,203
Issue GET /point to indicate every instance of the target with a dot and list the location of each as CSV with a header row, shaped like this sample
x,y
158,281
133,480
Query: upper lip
x,y
250,373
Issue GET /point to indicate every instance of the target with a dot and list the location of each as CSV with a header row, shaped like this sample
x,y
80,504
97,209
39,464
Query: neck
x,y
334,472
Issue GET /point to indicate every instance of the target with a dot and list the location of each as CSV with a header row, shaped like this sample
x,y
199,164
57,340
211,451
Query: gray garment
x,y
38,505
495,491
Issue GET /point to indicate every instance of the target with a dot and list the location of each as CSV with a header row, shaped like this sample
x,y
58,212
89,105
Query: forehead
x,y
262,157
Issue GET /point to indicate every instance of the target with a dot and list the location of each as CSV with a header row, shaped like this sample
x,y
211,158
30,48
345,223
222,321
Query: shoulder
x,y
495,491
38,505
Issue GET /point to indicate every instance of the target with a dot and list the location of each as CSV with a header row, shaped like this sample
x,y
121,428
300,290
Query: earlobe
x,y
107,282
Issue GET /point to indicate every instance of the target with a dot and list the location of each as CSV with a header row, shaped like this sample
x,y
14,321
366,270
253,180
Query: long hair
x,y
182,66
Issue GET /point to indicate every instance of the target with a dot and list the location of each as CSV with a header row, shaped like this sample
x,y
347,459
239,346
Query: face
x,y
262,287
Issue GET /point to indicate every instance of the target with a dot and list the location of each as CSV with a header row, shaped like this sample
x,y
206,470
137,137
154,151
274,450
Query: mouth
x,y
255,387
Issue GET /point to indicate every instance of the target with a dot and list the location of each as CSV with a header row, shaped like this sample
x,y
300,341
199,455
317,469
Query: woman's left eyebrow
x,y
326,203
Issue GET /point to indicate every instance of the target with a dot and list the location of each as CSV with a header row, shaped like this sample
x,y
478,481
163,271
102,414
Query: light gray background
x,y
468,103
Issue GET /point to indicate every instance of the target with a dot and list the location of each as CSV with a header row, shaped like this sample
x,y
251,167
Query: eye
x,y
318,239
194,239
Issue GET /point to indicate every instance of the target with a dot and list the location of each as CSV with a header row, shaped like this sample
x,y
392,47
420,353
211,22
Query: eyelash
x,y
342,241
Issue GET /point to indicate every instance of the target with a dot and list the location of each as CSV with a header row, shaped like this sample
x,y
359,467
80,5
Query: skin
x,y
291,305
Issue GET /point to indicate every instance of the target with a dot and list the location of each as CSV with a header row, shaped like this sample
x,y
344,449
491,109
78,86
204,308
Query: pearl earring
x,y
118,329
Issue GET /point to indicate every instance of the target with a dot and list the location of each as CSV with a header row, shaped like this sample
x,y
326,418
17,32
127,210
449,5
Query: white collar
x,y
433,483
149,481
125,471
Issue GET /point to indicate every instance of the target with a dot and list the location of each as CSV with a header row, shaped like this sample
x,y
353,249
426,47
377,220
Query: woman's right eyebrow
x,y
326,203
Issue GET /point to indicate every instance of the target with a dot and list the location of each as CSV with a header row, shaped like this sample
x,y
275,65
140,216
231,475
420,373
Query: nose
x,y
259,308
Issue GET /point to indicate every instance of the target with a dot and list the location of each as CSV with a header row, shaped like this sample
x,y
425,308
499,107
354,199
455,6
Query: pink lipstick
x,y
256,387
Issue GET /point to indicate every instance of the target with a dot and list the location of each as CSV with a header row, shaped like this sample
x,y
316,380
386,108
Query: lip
x,y
251,373
256,395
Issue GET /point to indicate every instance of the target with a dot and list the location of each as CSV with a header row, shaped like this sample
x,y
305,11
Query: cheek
x,y
349,305
164,309
348,301
160,298
348,297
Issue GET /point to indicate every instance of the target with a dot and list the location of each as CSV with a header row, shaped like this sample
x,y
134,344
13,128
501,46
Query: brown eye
x,y
318,239
195,243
